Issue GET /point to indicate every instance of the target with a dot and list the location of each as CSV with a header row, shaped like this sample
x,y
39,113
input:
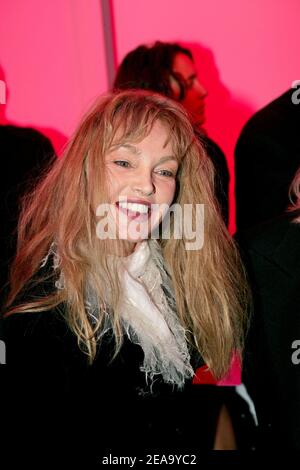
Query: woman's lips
x,y
137,216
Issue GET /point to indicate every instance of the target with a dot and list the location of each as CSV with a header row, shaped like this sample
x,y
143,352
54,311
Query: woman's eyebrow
x,y
134,150
168,157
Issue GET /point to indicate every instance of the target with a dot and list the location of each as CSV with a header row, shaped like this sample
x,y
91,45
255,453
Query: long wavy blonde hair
x,y
209,284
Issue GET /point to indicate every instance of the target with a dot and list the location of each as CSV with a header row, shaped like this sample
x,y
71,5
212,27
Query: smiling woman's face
x,y
141,174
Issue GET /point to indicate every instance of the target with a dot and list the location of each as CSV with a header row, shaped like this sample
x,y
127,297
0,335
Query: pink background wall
x,y
52,54
245,51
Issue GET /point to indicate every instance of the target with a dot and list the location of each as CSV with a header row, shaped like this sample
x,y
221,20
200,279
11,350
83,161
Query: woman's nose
x,y
143,183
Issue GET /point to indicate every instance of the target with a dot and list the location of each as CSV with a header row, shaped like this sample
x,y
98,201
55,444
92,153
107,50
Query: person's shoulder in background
x,y
265,238
24,150
267,155
280,114
266,235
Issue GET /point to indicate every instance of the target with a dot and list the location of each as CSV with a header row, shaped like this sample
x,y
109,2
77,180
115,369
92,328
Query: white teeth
x,y
143,209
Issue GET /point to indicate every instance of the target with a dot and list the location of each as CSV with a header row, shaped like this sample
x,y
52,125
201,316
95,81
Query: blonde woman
x,y
272,353
110,309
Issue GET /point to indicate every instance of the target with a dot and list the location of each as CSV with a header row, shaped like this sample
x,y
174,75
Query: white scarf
x,y
150,318
148,313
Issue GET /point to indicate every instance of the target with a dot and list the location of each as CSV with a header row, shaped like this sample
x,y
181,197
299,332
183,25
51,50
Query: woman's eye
x,y
122,163
166,173
190,83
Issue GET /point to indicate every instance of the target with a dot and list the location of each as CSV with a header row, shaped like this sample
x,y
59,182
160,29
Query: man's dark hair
x,y
150,68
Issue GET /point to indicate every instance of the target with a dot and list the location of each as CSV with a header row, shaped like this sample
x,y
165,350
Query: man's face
x,y
195,92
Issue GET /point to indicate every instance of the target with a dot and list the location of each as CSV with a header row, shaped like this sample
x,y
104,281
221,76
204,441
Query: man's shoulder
x,y
265,236
275,116
275,242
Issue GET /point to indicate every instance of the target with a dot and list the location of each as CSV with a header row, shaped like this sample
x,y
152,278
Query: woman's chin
x,y
136,232
132,238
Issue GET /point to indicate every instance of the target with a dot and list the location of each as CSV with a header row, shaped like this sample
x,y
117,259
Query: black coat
x,y
56,403
267,155
272,254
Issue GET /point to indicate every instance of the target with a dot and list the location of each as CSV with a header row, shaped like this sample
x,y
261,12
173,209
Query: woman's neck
x,y
122,248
